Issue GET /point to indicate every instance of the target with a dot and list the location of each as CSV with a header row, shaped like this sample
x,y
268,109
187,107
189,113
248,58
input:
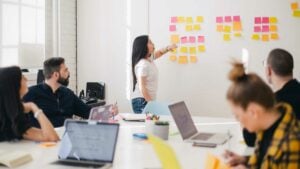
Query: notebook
x,y
188,130
88,144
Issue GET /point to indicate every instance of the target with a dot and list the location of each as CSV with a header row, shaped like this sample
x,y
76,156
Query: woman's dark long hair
x,y
139,51
11,108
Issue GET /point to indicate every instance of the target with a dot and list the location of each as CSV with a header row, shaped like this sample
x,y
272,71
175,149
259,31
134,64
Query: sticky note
x,y
192,39
265,28
47,144
226,37
173,58
237,26
255,37
174,19
228,19
172,28
174,38
165,153
227,29
274,36
182,60
193,50
212,162
197,27
265,20
199,19
183,49
257,29
189,20
294,6
219,19
189,28
174,51
296,13
273,20
201,39
273,28
236,19
237,34
257,20
184,39
180,19
219,28
265,37
193,59
201,48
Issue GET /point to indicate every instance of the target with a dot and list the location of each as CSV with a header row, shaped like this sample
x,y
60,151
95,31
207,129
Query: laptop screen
x,y
89,141
183,119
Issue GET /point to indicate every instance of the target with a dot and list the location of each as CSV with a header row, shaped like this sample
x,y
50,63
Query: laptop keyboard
x,y
202,136
78,164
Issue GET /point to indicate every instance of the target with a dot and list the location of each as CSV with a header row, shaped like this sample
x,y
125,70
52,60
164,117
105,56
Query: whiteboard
x,y
203,85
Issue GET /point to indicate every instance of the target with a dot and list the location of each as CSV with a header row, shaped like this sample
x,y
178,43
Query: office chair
x,y
40,76
158,108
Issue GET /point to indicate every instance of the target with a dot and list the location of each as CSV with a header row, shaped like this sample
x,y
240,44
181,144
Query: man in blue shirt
x,y
53,97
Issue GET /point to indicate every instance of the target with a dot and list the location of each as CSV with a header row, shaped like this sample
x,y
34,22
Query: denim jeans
x,y
138,104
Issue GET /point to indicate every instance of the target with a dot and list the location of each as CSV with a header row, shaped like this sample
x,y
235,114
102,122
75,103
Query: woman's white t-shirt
x,y
146,68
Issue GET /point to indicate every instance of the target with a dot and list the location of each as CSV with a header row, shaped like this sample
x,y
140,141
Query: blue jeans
x,y
138,104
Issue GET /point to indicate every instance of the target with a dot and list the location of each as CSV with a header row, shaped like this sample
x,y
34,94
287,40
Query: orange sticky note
x,y
189,28
255,37
274,36
183,49
237,26
48,144
273,28
175,39
192,50
265,37
273,20
227,29
237,34
180,19
296,13
212,162
173,58
199,19
226,37
219,28
193,59
201,48
183,60
294,6
197,27
189,20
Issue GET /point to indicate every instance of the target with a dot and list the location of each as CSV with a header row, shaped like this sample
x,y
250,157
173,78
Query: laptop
x,y
188,130
88,144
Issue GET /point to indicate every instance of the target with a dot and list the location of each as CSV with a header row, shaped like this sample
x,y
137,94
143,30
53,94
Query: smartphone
x,y
210,145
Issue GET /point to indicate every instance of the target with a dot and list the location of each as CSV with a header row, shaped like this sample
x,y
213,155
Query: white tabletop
x,y
136,154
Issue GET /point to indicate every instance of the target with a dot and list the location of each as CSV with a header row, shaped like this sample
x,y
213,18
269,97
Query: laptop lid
x,y
101,113
183,119
89,141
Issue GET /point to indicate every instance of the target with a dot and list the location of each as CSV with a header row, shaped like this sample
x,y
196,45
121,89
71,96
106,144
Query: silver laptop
x,y
88,144
188,129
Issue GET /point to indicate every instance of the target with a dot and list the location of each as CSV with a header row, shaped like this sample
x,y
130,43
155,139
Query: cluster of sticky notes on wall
x,y
185,32
265,29
295,9
230,26
213,162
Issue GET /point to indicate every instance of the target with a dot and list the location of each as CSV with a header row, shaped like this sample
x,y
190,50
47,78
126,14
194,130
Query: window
x,y
22,28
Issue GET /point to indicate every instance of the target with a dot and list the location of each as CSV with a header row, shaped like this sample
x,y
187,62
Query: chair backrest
x,y
40,76
95,90
158,108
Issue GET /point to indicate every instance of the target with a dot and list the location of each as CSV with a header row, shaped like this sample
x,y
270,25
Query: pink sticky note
x,y
236,19
200,39
192,39
257,20
265,28
219,19
265,20
172,28
184,39
174,19
228,19
257,29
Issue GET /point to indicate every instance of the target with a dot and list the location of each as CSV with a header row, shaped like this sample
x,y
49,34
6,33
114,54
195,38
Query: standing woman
x,y
144,71
13,124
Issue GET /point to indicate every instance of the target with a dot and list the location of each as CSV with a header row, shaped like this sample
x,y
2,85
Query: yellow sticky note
x,y
255,37
181,19
173,58
193,50
201,48
183,49
199,19
273,28
273,20
197,27
227,29
183,60
189,20
189,28
274,36
294,6
265,37
224,166
193,59
175,39
237,26
212,162
165,153
226,37
174,51
219,28
296,13
237,34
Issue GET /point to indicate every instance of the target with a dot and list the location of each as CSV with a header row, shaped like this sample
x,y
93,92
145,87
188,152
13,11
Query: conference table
x,y
136,154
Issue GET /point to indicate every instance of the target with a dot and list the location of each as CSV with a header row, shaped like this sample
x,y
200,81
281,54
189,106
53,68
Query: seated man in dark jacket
x,y
279,71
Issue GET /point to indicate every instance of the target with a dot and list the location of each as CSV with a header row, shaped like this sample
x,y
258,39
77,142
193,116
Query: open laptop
x,y
188,129
88,144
